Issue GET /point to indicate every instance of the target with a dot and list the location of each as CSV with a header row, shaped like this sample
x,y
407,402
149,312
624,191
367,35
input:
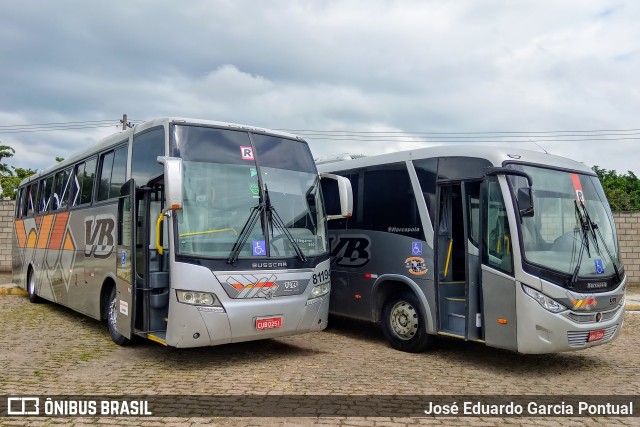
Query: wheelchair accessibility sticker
x,y
258,248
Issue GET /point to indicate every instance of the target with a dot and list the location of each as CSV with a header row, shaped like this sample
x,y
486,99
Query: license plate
x,y
268,323
595,335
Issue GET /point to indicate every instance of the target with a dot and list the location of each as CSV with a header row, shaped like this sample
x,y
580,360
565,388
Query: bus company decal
x,y
48,241
99,235
416,266
582,302
350,250
249,286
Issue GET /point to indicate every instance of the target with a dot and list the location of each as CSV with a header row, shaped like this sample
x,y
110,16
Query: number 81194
x,y
322,276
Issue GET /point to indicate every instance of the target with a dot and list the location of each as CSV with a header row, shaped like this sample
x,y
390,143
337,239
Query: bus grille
x,y
591,317
579,338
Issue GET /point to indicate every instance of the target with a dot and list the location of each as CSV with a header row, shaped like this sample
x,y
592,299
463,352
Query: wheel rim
x,y
32,285
112,313
403,320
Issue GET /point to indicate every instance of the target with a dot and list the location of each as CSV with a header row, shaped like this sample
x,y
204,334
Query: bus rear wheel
x,y
31,287
112,315
403,324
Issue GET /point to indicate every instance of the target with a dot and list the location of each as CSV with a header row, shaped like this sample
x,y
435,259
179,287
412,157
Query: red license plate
x,y
269,323
595,335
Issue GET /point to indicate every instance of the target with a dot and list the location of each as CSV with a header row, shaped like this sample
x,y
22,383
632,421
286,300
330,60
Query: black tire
x,y
31,288
111,311
403,323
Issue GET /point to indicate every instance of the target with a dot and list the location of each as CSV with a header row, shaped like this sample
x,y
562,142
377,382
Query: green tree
x,y
10,176
11,181
5,152
622,190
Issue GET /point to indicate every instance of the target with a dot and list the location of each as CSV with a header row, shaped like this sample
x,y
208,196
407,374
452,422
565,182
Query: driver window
x,y
497,235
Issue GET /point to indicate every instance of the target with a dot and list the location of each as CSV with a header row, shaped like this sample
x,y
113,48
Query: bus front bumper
x,y
197,326
540,331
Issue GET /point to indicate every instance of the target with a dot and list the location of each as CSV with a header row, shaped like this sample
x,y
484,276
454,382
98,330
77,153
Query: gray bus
x,y
186,232
511,248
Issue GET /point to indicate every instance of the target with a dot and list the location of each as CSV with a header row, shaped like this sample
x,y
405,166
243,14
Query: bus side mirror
x,y
524,196
172,181
525,202
340,187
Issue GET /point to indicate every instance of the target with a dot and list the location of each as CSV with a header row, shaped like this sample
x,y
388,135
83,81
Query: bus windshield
x,y
227,174
572,229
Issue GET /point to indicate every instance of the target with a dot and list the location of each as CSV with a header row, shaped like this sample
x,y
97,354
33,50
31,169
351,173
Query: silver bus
x,y
186,232
511,248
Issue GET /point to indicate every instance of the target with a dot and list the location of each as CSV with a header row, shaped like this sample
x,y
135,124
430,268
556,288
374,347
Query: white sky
x,y
402,66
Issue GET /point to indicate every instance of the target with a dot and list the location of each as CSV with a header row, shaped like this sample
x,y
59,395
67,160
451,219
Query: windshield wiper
x,y
274,219
256,213
595,230
584,234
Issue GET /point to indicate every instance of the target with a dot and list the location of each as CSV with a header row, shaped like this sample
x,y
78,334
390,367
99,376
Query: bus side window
x,y
46,192
497,236
31,194
83,182
61,189
113,172
87,181
389,202
18,203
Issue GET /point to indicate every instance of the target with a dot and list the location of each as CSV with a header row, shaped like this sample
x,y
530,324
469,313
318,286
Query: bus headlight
x,y
317,292
198,298
320,290
547,303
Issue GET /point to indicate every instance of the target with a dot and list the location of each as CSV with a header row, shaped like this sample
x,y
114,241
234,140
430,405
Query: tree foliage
x,y
622,190
11,176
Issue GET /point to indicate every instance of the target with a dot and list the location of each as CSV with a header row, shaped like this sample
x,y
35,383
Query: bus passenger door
x,y
497,276
458,260
450,237
126,262
152,266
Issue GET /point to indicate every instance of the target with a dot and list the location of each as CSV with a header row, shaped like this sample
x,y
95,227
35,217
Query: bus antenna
x,y
539,146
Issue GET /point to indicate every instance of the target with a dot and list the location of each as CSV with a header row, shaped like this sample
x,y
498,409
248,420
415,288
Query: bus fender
x,y
378,289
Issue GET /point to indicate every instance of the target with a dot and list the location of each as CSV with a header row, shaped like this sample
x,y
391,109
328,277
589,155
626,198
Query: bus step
x,y
455,305
456,322
450,334
158,337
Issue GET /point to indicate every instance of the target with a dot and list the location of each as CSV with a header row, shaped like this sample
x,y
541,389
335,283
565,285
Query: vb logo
x,y
99,235
350,250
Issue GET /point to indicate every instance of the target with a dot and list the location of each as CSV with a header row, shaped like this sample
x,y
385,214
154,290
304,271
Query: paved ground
x,y
48,350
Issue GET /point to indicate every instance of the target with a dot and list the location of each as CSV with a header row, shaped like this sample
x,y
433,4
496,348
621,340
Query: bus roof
x,y
119,137
496,155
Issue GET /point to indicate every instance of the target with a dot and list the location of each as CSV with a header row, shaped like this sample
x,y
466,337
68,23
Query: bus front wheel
x,y
31,287
112,314
403,324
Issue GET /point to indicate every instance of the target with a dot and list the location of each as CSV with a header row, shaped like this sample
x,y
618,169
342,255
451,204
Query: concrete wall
x,y
627,223
6,233
628,226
